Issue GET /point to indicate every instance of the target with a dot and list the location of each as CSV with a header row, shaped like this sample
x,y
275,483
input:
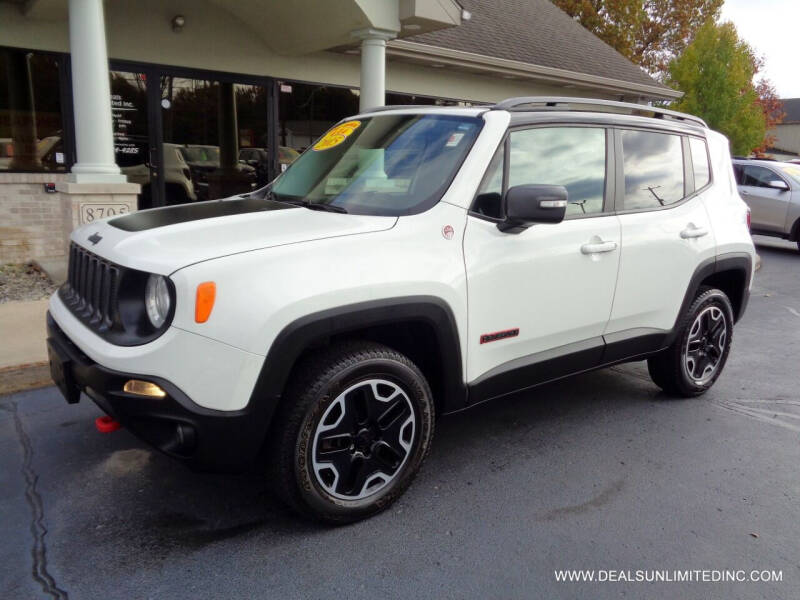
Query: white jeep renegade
x,y
412,263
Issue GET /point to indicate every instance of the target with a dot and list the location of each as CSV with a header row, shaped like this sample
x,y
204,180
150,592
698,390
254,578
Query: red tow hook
x,y
106,424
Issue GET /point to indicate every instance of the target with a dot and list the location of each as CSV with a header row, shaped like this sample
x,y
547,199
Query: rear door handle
x,y
596,247
745,193
693,231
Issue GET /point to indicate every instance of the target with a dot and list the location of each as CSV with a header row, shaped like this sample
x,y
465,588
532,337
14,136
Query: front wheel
x,y
355,426
694,361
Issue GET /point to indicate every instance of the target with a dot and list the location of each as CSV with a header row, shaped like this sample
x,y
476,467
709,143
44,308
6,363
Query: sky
x,y
772,28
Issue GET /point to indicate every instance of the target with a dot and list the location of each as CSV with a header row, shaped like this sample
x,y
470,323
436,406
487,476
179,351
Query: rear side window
x,y
574,157
702,171
653,167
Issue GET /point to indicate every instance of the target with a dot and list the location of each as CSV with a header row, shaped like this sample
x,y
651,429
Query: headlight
x,y
157,300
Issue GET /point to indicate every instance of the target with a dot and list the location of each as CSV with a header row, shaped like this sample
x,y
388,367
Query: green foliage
x,y
715,72
648,32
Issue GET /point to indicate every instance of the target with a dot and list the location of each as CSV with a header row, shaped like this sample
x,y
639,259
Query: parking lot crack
x,y
34,499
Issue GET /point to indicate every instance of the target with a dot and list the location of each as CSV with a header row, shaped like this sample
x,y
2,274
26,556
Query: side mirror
x,y
779,184
525,205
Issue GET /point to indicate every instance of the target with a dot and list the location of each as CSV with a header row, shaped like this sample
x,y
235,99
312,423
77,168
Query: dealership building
x,y
106,107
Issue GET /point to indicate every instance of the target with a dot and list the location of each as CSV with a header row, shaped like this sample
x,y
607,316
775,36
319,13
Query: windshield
x,y
792,171
382,165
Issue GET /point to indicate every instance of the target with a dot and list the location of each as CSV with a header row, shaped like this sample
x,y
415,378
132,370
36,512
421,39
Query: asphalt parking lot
x,y
598,472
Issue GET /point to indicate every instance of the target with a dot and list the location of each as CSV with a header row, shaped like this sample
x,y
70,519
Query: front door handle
x,y
692,231
596,246
744,193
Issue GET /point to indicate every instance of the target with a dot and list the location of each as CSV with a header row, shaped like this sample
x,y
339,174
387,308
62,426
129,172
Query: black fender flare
x,y
315,328
730,261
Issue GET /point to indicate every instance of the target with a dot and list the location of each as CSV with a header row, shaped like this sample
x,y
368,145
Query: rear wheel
x,y
356,424
694,361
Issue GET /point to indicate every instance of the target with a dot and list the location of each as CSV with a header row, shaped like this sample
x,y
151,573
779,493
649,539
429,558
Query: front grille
x,y
92,289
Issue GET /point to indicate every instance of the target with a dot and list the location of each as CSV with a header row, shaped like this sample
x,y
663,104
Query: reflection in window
x,y
574,157
31,134
702,171
653,165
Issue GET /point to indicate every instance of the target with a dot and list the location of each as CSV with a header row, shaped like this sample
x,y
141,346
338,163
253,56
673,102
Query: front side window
x,y
757,176
574,157
653,167
382,165
700,166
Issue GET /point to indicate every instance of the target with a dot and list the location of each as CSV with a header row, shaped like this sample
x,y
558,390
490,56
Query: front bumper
x,y
203,438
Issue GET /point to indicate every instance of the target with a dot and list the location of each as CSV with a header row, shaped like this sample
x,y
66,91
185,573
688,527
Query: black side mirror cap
x,y
526,205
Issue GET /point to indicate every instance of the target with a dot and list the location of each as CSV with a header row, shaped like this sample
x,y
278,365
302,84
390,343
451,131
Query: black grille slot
x,y
91,289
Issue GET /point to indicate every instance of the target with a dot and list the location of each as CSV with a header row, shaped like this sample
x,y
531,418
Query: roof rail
x,y
544,103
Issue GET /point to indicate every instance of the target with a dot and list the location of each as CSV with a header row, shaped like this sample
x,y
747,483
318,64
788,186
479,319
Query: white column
x,y
373,66
91,95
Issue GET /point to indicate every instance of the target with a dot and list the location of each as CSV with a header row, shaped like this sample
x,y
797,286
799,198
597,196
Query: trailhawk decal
x,y
499,335
336,135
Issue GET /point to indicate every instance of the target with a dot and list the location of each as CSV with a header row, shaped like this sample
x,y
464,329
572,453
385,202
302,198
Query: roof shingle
x,y
791,106
535,32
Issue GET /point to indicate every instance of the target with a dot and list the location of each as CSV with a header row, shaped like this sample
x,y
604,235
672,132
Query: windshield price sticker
x,y
337,135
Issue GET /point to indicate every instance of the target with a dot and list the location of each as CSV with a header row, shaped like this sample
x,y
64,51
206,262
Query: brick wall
x,y
31,220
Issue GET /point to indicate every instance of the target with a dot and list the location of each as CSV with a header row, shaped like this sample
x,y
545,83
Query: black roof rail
x,y
545,103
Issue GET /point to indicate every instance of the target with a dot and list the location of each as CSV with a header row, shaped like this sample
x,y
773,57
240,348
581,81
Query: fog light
x,y
143,388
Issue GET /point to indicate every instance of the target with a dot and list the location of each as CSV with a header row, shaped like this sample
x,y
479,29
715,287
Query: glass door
x,y
132,144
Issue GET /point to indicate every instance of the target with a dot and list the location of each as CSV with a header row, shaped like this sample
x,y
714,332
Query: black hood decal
x,y
161,217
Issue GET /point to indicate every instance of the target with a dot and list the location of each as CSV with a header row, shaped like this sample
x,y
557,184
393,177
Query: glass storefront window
x,y
215,138
31,122
305,112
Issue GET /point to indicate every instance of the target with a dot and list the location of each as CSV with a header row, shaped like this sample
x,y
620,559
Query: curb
x,y
24,377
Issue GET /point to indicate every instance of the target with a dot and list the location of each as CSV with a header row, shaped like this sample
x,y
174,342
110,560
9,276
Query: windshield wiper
x,y
305,203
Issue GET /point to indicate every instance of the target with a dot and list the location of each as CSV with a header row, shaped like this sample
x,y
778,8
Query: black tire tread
x,y
666,367
309,378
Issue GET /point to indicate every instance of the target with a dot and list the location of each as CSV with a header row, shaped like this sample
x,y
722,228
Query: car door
x,y
666,235
539,300
768,204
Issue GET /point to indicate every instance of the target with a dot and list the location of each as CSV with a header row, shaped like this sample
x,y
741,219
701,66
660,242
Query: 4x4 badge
x,y
94,238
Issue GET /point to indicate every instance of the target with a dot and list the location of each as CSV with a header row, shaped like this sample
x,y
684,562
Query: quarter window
x,y
574,157
702,171
653,166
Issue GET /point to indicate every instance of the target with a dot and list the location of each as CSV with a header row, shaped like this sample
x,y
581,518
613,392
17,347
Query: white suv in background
x,y
412,263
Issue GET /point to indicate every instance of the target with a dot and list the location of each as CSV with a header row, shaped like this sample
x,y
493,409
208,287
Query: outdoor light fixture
x,y
178,21
465,14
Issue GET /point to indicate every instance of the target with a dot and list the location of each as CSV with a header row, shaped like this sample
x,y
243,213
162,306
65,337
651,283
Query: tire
x,y
694,361
336,454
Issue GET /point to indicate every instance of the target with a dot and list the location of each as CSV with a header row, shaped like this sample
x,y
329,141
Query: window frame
x,y
505,143
688,170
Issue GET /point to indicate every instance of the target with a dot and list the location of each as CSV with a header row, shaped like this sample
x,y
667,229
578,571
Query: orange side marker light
x,y
204,302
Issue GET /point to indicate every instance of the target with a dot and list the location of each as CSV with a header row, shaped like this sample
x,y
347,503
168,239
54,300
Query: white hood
x,y
167,239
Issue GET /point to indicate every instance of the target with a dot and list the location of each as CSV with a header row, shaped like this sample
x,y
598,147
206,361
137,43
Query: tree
x,y
648,32
770,105
716,72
